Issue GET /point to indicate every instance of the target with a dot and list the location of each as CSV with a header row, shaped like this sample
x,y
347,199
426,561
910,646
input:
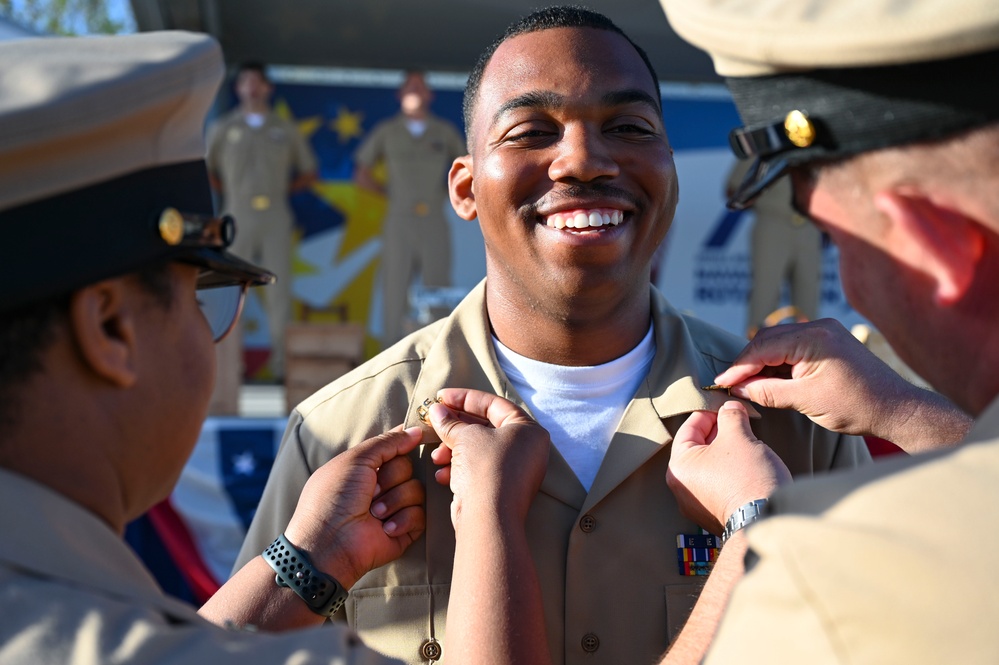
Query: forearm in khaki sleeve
x,y
771,617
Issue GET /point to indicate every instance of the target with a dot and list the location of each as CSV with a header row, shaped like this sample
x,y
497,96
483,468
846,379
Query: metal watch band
x,y
742,517
323,594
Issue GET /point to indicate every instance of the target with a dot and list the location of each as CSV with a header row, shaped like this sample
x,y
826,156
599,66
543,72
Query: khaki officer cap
x,y
101,162
821,80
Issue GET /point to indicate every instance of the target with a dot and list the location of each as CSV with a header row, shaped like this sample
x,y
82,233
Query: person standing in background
x,y
418,148
256,159
784,248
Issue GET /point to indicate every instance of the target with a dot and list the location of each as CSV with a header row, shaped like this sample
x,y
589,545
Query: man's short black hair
x,y
561,16
253,66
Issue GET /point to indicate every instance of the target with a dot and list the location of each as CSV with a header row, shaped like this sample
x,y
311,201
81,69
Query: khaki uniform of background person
x,y
255,168
108,314
784,248
880,115
607,556
415,234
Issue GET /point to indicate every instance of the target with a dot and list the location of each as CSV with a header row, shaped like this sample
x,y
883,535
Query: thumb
x,y
445,423
733,420
378,450
695,431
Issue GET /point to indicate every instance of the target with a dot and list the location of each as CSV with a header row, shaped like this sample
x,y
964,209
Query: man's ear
x,y
937,239
102,322
461,189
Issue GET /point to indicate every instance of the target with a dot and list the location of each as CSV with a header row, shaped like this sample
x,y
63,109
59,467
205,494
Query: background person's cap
x,y
824,80
102,162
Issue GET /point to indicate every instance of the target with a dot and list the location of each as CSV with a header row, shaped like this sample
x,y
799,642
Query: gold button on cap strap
x,y
323,594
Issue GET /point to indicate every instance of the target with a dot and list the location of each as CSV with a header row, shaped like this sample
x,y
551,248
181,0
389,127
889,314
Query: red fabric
x,y
178,542
881,448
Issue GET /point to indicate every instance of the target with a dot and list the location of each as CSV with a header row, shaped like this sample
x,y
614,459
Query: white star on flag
x,y
244,464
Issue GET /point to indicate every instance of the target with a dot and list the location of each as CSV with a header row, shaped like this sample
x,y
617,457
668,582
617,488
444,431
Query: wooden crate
x,y
317,353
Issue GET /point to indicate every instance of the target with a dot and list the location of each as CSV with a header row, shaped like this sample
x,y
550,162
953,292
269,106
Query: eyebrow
x,y
540,99
631,96
548,100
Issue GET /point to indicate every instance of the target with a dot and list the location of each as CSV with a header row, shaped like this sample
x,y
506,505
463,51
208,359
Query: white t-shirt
x,y
254,120
416,127
579,406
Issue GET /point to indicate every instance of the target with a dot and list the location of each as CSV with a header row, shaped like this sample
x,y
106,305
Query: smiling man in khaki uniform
x,y
884,116
256,159
418,148
572,180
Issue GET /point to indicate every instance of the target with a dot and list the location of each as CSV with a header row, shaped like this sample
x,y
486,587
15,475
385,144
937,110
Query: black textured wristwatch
x,y
742,517
323,594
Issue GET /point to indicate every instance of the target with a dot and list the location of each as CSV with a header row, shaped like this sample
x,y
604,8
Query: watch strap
x,y
323,594
743,517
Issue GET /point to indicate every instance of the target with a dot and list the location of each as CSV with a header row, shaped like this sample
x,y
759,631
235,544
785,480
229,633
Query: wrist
x,y
926,420
321,593
743,516
479,514
326,554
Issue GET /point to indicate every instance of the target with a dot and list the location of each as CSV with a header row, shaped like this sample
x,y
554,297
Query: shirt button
x,y
590,643
588,523
431,650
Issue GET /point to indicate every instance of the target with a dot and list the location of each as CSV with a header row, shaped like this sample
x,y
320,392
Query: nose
x,y
583,156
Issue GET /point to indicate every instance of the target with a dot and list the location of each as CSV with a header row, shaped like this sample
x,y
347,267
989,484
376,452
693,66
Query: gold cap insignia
x,y
799,129
171,226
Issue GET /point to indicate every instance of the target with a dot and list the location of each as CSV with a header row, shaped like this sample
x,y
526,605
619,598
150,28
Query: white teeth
x,y
585,220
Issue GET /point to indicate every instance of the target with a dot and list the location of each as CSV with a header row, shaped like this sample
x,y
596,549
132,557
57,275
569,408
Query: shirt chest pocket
x,y
397,620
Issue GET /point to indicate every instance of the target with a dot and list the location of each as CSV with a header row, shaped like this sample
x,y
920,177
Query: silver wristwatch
x,y
743,516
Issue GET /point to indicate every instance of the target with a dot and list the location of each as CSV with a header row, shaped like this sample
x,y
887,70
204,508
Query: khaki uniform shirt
x,y
256,165
72,592
606,559
417,165
893,563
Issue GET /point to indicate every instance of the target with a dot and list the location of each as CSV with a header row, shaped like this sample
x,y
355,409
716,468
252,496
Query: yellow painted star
x,y
347,124
306,126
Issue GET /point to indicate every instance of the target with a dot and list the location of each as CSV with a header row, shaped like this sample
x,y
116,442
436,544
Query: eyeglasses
x,y
221,306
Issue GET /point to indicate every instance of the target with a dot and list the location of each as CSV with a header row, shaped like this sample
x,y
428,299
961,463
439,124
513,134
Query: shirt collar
x,y
462,355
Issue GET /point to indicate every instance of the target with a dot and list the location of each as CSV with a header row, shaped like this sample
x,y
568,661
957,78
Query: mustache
x,y
579,194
